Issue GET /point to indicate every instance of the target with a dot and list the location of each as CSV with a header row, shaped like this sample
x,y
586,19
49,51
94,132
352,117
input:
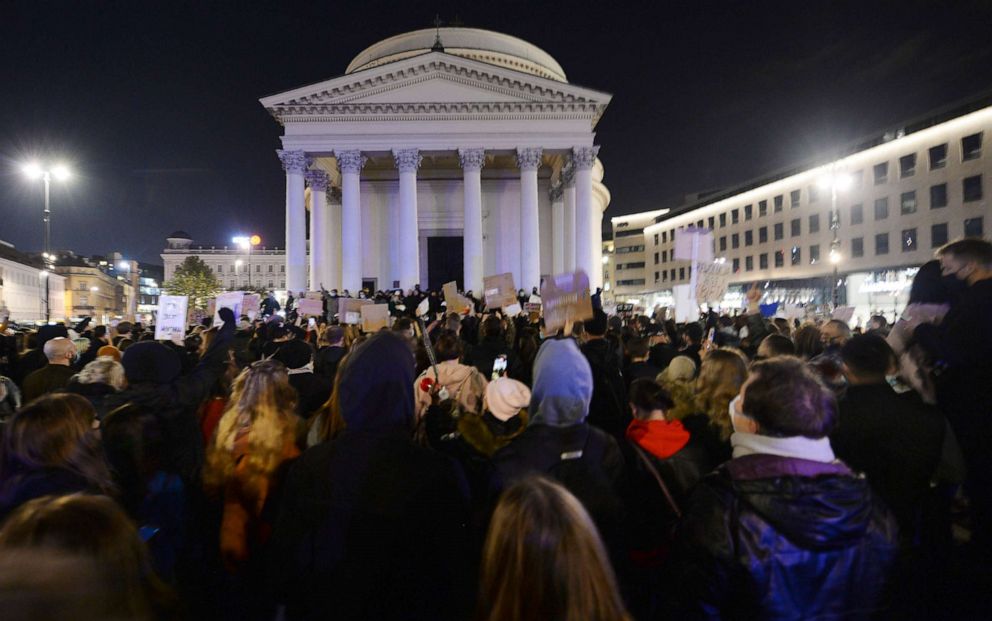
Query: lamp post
x,y
835,181
35,171
246,242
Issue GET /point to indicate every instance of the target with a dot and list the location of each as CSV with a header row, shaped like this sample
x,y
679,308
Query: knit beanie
x,y
294,354
150,362
680,369
109,350
505,397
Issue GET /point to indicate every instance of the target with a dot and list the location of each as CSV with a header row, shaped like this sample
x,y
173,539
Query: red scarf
x,y
661,438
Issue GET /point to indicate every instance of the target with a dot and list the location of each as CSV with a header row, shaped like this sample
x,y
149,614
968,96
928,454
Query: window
x,y
664,276
973,227
857,214
712,222
763,261
908,240
282,284
938,196
814,253
656,276
779,231
723,220
938,235
664,256
748,212
234,284
778,203
881,173
672,273
656,257
882,243
857,247
735,216
762,208
723,243
270,268
907,203
220,269
814,223
737,265
630,249
881,208
630,283
258,268
748,238
664,237
699,224
282,270
972,188
681,273
735,240
749,264
763,235
814,193
779,258
971,147
907,165
797,255
857,179
795,227
84,300
938,156
794,198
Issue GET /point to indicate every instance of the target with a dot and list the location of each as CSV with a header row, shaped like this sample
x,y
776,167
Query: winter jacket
x,y
464,384
50,378
326,361
608,409
483,355
768,537
95,393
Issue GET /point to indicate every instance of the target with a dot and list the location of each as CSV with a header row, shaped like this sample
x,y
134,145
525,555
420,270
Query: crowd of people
x,y
478,466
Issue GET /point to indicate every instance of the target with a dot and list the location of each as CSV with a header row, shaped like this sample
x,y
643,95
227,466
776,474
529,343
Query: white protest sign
x,y
424,307
843,313
512,310
170,320
375,317
794,311
309,307
229,299
712,280
251,305
686,308
686,238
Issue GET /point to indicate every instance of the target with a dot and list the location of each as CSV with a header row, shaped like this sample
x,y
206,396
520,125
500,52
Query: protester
x,y
833,335
464,384
492,345
607,409
330,351
775,345
543,559
312,390
640,366
808,341
724,372
98,379
61,353
34,356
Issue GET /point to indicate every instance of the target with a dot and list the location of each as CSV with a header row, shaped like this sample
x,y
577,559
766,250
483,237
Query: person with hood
x,y
464,383
371,525
312,389
783,530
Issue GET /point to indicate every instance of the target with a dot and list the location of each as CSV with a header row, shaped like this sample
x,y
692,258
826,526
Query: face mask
x,y
734,410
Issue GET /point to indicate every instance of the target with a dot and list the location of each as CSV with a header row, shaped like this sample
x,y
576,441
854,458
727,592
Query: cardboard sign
x,y
350,310
308,307
684,240
513,309
453,301
530,307
843,313
375,317
231,300
251,305
712,280
314,295
499,290
170,320
565,298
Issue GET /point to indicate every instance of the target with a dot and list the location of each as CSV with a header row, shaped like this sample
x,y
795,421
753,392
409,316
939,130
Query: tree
x,y
195,279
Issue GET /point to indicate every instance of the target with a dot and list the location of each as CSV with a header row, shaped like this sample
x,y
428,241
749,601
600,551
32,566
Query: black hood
x,y
376,390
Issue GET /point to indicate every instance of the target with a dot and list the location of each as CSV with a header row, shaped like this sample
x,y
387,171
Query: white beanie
x,y
505,397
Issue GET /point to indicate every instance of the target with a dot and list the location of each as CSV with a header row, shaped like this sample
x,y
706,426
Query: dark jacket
x,y
767,537
483,355
96,394
661,355
49,378
312,389
608,409
20,487
327,360
640,370
708,437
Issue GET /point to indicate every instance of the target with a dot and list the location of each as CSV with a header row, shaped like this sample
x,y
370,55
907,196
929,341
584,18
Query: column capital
x,y
568,173
556,191
350,161
584,157
317,180
407,160
529,158
472,159
293,161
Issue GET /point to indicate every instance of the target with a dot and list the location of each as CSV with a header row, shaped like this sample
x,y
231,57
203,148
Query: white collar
x,y
798,447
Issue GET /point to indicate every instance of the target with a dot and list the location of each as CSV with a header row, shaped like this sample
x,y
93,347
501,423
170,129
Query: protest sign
x,y
350,310
308,307
686,238
251,305
424,307
499,290
375,317
170,320
530,307
231,300
512,310
195,316
712,280
843,313
686,308
565,298
794,311
313,295
454,302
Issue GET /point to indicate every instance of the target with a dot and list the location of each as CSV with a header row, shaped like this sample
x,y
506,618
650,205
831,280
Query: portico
x,y
436,149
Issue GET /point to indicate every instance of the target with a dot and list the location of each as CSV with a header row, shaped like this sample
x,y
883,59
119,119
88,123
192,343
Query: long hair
x,y
327,419
55,431
543,559
263,403
807,340
720,378
93,528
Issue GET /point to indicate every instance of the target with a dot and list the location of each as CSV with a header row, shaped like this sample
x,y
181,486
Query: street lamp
x,y
35,171
246,242
835,181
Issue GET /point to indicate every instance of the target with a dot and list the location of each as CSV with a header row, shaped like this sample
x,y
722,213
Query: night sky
x,y
155,104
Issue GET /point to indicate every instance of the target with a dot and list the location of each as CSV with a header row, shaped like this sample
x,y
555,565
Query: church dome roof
x,y
485,46
179,235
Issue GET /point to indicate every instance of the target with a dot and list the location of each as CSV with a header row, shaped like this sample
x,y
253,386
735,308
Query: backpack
x,y
578,467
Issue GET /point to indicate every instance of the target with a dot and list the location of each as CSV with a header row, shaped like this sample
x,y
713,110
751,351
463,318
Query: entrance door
x,y
444,261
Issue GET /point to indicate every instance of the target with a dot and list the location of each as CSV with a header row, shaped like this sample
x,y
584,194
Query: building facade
x,y
874,215
234,267
25,285
441,155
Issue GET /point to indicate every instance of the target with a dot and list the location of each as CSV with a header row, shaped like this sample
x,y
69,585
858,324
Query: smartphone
x,y
499,367
711,335
312,323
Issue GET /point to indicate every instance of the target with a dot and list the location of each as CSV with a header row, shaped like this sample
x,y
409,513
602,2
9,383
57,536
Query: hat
x,y
562,385
680,369
505,397
109,350
150,362
294,354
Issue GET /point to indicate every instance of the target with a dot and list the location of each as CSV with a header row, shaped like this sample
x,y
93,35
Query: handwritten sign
x,y
500,291
251,305
712,280
309,307
350,310
229,299
687,237
375,317
170,320
455,302
843,313
565,298
513,310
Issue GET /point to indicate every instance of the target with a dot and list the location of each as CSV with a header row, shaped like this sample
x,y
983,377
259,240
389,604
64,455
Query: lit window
x,y
797,255
907,165
907,203
971,147
909,240
938,156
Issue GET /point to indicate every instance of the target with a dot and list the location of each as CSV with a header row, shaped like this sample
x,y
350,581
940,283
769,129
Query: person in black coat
x,y
783,530
640,366
492,345
371,525
330,353
312,389
608,408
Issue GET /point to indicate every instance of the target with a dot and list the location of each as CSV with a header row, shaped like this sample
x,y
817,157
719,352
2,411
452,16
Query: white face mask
x,y
735,411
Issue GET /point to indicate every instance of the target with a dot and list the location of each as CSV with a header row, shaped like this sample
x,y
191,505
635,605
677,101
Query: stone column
x,y
557,228
529,160
319,238
351,163
585,218
472,161
295,163
408,161
568,196
333,273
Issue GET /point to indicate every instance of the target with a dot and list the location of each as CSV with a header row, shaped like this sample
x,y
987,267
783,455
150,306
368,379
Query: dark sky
x,y
155,103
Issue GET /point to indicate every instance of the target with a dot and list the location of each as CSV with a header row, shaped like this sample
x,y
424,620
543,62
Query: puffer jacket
x,y
768,537
465,385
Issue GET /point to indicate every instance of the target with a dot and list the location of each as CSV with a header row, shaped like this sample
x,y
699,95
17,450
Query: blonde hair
x,y
262,400
721,375
543,559
103,370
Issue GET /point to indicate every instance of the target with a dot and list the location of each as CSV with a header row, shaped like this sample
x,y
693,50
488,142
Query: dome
x,y
180,235
484,46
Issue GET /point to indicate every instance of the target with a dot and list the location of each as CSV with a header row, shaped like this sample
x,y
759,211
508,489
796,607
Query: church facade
x,y
441,155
